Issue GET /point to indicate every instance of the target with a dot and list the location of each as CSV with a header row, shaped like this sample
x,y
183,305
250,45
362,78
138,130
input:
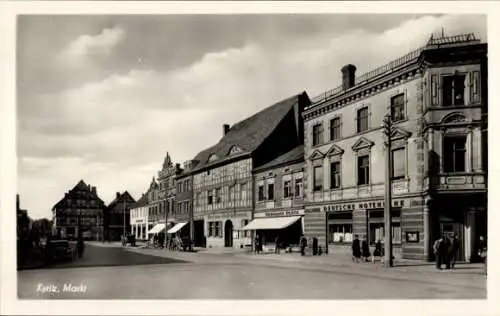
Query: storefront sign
x,y
224,215
412,237
138,220
361,205
280,213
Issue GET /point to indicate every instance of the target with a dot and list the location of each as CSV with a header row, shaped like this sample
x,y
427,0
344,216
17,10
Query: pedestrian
x,y
482,248
80,245
447,257
315,246
356,249
365,250
277,245
453,250
257,244
303,245
378,252
439,251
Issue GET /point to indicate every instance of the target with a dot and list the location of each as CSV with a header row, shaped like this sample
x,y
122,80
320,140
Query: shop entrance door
x,y
449,229
228,234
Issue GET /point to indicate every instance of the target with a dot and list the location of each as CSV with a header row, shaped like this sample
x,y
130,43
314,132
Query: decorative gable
x,y
362,143
335,151
399,133
317,155
234,150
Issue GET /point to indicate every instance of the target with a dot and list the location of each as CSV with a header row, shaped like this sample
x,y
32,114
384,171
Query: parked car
x,y
63,250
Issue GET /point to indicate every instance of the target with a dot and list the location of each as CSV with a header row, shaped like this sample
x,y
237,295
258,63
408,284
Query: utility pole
x,y
388,192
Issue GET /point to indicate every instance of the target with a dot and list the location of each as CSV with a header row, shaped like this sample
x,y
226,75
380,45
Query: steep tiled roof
x,y
292,156
125,196
80,186
143,201
248,134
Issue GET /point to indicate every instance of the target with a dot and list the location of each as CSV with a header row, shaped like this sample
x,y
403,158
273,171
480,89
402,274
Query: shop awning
x,y
271,223
156,229
176,228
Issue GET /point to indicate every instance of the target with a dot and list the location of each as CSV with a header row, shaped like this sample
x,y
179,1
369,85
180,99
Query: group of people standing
x,y
361,250
446,251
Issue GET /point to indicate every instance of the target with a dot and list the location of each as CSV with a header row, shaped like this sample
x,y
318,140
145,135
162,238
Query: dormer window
x,y
212,157
234,150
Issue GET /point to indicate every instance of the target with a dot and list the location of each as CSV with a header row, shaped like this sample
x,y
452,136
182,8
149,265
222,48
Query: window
x,y
398,107
362,119
245,233
243,189
270,191
261,192
287,189
454,153
377,233
340,233
231,193
214,229
398,163
335,129
335,175
453,90
363,170
210,199
212,157
217,195
318,178
298,187
317,134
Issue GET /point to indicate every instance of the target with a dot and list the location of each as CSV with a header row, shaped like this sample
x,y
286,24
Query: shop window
x,y
318,178
317,134
453,90
335,128
363,170
398,163
270,191
340,233
377,233
214,229
362,120
261,193
398,107
210,198
298,188
287,189
245,233
454,154
335,175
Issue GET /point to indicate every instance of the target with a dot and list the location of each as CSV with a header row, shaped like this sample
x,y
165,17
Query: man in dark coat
x,y
356,249
303,245
447,257
365,250
439,251
453,251
277,245
80,245
315,246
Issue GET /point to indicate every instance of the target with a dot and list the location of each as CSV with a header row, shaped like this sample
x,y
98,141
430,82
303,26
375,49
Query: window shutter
x,y
434,90
475,87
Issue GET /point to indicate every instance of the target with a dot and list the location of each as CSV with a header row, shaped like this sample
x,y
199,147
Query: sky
x,y
103,98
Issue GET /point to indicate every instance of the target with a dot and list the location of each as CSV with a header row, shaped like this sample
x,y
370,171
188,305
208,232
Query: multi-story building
x,y
117,216
139,218
156,213
437,99
80,211
183,210
222,178
279,199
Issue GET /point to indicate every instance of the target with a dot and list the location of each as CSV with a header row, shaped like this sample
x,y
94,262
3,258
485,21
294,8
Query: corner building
x,y
222,174
436,96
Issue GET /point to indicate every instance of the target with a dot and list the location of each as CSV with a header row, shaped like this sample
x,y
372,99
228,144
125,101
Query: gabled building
x,y
436,97
80,211
183,210
117,216
222,178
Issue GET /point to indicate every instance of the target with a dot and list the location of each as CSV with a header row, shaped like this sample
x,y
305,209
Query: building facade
x,y
436,97
222,177
279,200
80,211
117,216
139,218
183,210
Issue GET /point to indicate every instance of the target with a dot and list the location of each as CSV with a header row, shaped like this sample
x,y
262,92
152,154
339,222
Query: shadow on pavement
x,y
100,257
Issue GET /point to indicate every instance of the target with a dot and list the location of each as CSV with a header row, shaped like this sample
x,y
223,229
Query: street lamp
x,y
388,192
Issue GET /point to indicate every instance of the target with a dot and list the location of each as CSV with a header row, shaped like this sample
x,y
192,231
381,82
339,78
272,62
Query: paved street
x,y
116,273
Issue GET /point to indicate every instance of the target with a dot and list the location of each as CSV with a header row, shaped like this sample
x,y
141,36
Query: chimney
x,y
117,194
348,76
225,129
177,166
94,190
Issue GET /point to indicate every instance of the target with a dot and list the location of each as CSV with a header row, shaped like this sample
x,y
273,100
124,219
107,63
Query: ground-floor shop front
x,y
284,227
140,228
416,222
224,229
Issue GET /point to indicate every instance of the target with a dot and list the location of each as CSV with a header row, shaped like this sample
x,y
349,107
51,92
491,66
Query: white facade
x,y
139,222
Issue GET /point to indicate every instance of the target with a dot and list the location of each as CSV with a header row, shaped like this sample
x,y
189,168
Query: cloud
x,y
87,45
114,132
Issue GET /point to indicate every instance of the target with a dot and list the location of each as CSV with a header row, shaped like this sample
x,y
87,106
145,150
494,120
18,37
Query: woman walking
x,y
482,254
356,249
365,250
